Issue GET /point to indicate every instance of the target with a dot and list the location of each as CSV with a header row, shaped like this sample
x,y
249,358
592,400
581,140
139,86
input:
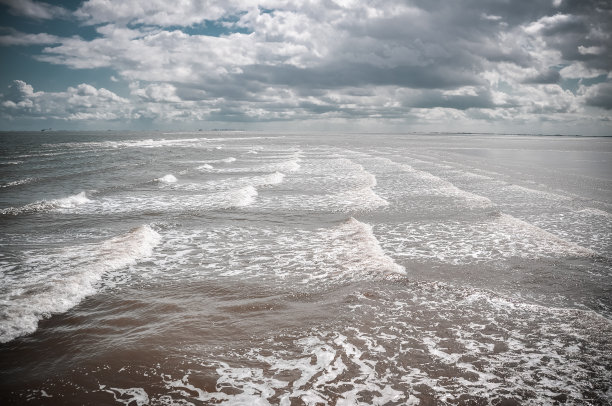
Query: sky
x,y
506,66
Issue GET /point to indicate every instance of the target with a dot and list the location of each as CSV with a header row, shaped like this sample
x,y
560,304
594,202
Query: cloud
x,y
157,92
83,102
460,99
546,77
19,96
580,31
580,70
154,12
591,50
550,25
295,60
599,95
35,9
20,38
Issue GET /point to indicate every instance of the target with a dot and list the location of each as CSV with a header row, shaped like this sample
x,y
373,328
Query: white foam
x,y
232,183
286,166
333,175
204,167
439,186
217,161
468,242
70,201
271,179
148,143
385,165
268,163
313,258
58,280
541,194
337,184
361,242
595,212
64,203
167,179
450,345
17,182
465,174
423,183
240,197
360,200
548,241
129,395
320,367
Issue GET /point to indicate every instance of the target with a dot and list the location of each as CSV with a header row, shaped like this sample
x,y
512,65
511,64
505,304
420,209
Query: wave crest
x,y
58,281
69,202
167,179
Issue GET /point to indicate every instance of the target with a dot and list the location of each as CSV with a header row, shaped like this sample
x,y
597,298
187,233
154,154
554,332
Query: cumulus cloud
x,y
19,96
76,103
157,92
579,70
153,12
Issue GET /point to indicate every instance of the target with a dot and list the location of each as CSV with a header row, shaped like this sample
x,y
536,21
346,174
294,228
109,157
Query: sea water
x,y
346,269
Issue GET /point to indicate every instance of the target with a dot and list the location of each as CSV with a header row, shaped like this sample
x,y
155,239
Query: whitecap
x,y
315,258
17,182
271,179
167,179
206,164
291,165
240,197
65,203
359,239
55,281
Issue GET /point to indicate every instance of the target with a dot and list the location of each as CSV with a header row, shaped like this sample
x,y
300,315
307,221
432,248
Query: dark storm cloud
x,y
589,25
547,77
582,33
580,24
362,74
601,96
432,99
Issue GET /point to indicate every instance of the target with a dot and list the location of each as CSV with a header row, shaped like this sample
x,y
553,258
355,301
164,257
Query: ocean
x,y
249,268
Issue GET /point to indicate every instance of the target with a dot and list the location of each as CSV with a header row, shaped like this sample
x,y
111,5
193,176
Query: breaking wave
x,y
69,202
167,179
18,182
58,281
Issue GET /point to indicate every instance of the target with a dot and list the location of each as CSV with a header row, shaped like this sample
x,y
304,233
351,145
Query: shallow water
x,y
252,268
